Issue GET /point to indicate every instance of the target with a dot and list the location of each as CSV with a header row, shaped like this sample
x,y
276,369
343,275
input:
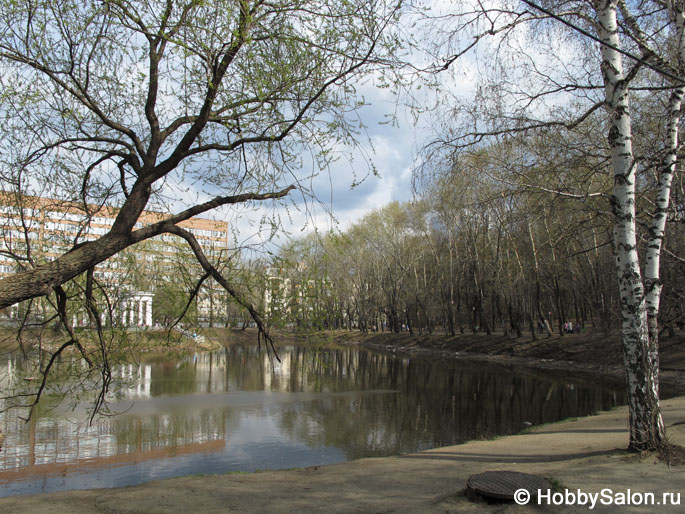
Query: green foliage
x,y
170,303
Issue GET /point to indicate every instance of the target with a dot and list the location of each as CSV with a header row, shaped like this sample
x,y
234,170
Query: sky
x,y
340,201
342,194
393,149
347,191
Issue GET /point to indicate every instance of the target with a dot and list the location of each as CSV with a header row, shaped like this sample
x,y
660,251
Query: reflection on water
x,y
235,410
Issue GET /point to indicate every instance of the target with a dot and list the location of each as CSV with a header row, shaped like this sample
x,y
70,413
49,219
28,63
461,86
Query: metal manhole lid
x,y
502,485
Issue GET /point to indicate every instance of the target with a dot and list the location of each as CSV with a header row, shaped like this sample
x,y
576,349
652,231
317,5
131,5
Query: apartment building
x,y
35,229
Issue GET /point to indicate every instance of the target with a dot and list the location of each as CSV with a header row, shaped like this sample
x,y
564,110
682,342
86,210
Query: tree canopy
x,y
108,102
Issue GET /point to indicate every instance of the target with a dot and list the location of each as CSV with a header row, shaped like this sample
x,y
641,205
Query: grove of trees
x,y
550,184
557,65
477,251
549,192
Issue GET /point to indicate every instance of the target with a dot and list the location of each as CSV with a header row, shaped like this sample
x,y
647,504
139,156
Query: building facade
x,y
34,229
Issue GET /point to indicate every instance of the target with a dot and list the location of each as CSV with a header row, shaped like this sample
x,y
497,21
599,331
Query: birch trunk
x,y
653,284
645,422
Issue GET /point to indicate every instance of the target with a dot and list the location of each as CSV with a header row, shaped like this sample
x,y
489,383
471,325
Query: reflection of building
x,y
43,229
52,444
136,379
57,446
277,374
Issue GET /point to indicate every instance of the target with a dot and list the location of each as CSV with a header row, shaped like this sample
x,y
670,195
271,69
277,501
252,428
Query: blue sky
x,y
391,148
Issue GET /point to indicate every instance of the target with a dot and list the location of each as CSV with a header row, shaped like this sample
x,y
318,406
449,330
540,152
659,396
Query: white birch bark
x,y
645,422
653,284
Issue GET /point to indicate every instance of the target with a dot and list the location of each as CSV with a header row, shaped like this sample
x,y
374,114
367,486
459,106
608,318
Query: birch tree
x,y
559,48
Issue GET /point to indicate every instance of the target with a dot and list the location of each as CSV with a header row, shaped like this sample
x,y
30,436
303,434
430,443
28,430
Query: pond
x,y
235,410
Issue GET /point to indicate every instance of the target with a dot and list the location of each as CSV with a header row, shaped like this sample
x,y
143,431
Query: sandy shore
x,y
586,454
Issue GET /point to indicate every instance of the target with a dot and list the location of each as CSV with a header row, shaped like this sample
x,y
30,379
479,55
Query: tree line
x,y
479,250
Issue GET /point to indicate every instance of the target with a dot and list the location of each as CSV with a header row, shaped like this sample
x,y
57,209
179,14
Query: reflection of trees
x,y
433,403
362,402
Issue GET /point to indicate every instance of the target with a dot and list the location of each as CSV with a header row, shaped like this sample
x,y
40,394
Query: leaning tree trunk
x,y
645,421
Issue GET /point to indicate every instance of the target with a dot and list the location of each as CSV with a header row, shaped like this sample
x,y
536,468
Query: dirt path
x,y
583,454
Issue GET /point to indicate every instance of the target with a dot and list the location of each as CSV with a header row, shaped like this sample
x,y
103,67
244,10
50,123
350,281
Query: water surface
x,y
237,410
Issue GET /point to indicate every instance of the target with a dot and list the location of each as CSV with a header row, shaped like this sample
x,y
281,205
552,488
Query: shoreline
x,y
588,354
586,454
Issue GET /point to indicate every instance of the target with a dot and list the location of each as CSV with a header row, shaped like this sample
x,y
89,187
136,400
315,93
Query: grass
x,y
555,484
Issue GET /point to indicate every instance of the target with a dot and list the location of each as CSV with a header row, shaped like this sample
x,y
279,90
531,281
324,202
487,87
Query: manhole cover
x,y
501,485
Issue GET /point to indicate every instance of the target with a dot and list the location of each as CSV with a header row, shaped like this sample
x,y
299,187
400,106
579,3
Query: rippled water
x,y
235,410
